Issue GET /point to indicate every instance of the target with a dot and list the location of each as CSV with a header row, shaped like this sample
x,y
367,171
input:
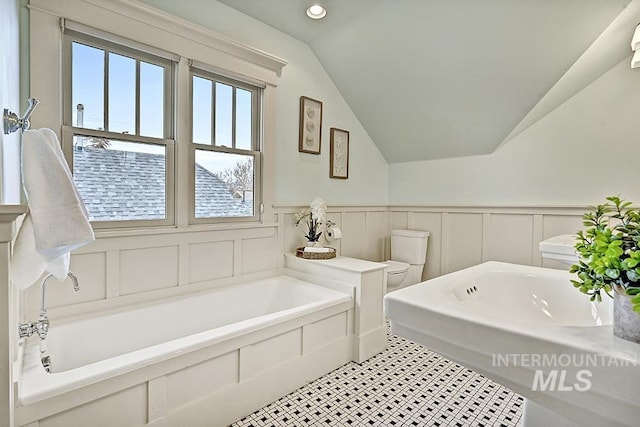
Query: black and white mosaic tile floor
x,y
406,385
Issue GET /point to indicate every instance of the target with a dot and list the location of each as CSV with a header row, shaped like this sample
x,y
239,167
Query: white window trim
x,y
256,145
150,26
122,46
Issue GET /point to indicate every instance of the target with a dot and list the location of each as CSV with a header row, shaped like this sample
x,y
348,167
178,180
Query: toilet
x,y
408,256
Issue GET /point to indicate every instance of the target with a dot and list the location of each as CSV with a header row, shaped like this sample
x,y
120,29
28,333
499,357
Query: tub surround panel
x,y
157,398
221,407
369,282
127,409
319,333
257,357
190,384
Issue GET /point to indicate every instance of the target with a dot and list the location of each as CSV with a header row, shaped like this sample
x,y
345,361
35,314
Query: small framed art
x,y
310,125
339,154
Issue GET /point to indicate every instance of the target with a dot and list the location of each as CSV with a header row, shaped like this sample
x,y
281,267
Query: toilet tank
x,y
409,246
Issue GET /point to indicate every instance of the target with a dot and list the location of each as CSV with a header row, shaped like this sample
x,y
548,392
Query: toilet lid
x,y
396,267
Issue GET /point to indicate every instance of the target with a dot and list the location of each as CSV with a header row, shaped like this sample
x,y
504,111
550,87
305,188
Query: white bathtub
x,y
250,329
520,326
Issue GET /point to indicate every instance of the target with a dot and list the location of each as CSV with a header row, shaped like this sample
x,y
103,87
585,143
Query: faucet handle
x,y
42,327
25,329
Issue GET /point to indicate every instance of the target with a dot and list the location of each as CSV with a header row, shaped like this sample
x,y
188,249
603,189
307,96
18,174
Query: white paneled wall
x,y
364,228
459,236
465,236
147,265
140,265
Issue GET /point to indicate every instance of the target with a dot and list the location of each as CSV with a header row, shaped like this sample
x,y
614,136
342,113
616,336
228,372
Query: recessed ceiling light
x,y
316,12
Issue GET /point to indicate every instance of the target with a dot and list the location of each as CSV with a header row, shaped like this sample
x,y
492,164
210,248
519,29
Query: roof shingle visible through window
x,y
122,185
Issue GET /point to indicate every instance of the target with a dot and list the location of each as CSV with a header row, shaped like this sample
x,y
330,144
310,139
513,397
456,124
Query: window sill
x,y
150,231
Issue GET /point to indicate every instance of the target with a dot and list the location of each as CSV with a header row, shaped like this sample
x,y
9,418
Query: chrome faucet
x,y
41,326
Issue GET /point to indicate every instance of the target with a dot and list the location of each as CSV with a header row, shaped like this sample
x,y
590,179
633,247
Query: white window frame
x,y
209,73
110,43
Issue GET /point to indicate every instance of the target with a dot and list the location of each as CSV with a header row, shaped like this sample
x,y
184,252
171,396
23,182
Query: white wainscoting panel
x,y
462,240
464,236
158,263
365,231
354,234
86,267
210,261
431,222
376,235
258,254
164,273
136,265
336,218
509,238
554,225
399,220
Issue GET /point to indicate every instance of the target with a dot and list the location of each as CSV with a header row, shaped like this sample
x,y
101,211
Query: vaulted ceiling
x,y
432,79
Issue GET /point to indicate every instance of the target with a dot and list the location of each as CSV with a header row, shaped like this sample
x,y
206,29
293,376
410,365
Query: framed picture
x,y
339,154
310,125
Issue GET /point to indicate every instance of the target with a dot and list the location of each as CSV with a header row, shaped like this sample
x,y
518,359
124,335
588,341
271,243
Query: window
x,y
225,148
119,121
119,115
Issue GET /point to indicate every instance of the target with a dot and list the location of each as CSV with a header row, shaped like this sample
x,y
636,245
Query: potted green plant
x,y
609,261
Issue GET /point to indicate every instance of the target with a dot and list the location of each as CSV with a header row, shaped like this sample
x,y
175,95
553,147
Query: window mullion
x,y
233,117
137,101
256,98
106,91
213,113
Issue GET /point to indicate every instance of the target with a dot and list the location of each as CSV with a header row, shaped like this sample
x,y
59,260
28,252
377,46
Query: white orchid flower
x,y
318,209
299,216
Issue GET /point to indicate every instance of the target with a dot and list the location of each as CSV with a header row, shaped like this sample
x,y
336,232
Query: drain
x,y
472,290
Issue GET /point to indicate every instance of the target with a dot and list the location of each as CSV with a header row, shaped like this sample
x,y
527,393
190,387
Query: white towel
x,y
57,222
